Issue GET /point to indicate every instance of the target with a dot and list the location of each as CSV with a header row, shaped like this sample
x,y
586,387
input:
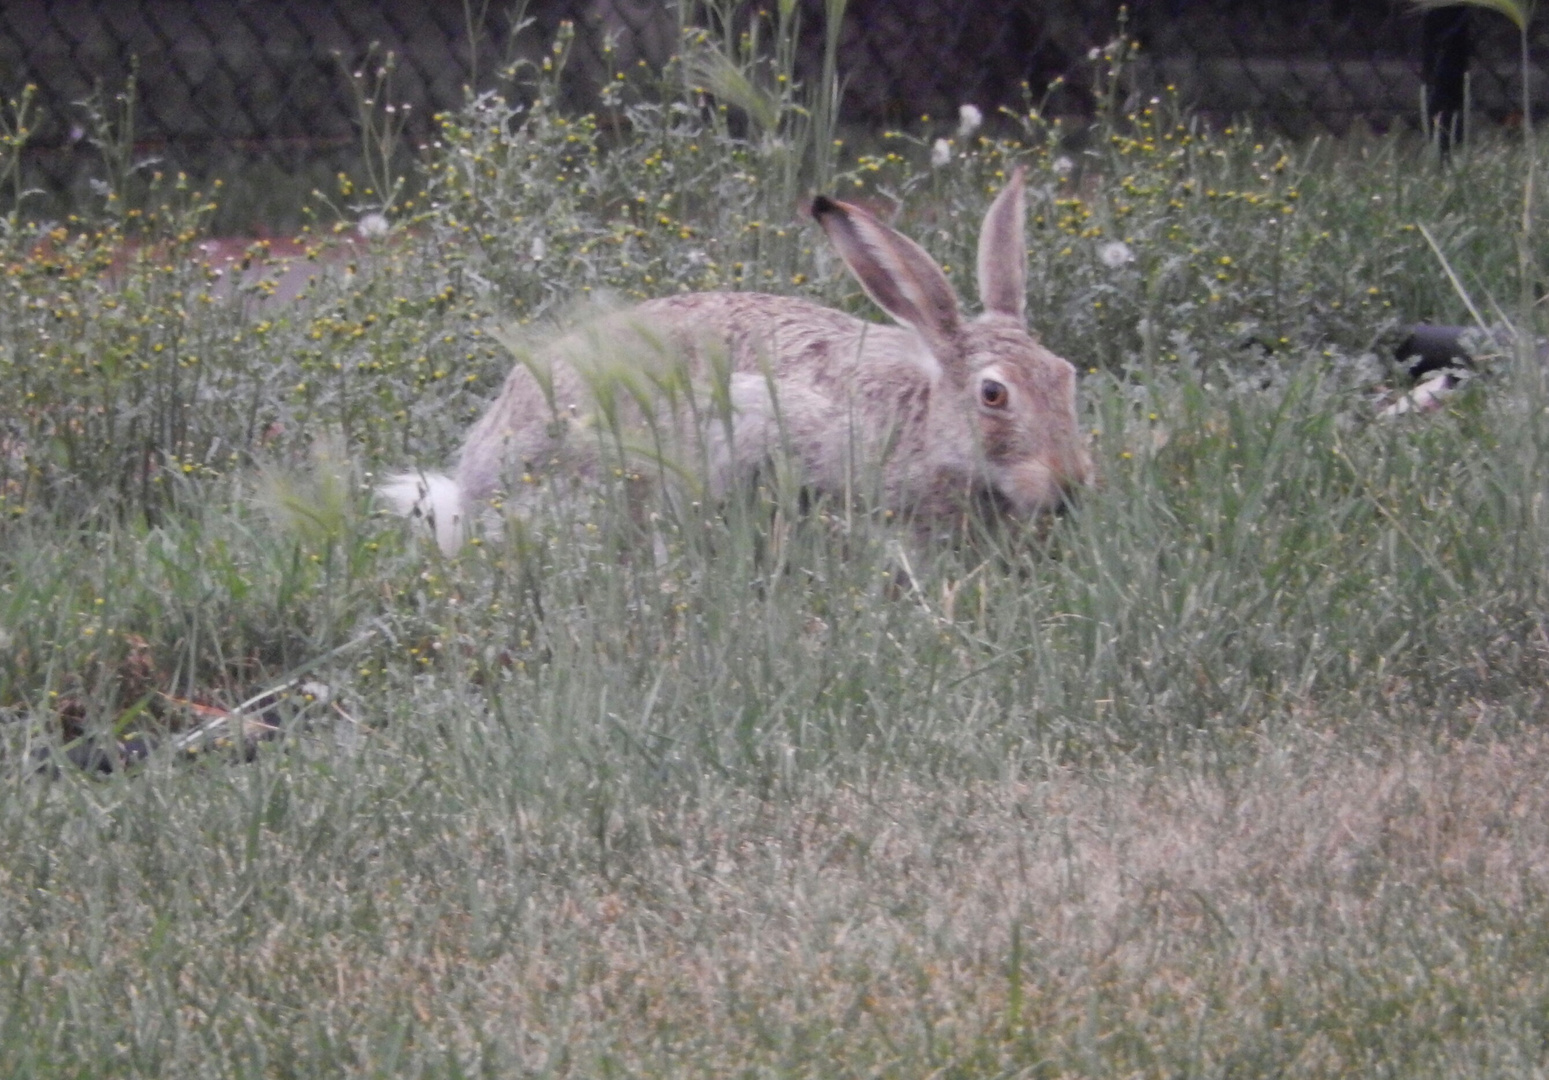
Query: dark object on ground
x,y
1426,348
1438,359
92,755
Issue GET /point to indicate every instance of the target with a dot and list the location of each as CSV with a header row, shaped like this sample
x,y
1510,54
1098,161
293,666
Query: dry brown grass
x,y
1322,912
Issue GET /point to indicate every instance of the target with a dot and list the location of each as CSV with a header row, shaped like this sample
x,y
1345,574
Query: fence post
x,y
1447,42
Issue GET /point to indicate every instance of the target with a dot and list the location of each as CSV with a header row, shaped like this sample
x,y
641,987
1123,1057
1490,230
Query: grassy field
x,y
1234,771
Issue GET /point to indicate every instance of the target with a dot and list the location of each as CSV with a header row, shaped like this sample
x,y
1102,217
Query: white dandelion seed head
x,y
1063,166
317,691
969,120
940,153
1115,253
373,225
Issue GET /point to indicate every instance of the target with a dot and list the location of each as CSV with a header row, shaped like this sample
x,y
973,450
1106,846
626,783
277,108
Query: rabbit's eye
x,y
993,393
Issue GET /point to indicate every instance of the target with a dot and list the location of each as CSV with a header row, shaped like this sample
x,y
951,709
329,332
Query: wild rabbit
x,y
943,410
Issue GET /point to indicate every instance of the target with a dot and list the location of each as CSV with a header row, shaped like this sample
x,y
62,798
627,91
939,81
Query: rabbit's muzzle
x,y
1045,484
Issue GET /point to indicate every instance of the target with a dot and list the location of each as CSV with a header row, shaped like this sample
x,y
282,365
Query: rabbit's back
x,y
779,362
758,331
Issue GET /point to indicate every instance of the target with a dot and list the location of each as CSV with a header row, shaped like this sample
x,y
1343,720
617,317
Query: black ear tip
x,y
822,204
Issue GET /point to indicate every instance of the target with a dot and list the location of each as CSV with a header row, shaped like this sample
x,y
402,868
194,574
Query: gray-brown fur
x,y
927,414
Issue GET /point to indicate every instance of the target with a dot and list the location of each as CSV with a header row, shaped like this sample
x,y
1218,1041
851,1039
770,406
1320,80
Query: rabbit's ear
x,y
1003,251
895,272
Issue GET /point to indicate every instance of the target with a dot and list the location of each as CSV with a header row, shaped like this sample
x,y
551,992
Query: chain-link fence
x,y
260,88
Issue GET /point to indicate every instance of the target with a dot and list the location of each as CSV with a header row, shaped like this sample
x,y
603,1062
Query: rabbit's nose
x,y
1069,496
1072,476
1073,472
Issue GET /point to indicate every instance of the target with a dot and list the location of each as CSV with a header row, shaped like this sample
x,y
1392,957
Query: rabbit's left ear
x,y
896,273
1003,251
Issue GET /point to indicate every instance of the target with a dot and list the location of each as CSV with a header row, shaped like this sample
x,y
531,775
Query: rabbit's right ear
x,y
1003,250
896,273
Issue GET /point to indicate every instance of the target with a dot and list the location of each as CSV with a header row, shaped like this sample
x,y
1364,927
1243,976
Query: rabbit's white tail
x,y
436,498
